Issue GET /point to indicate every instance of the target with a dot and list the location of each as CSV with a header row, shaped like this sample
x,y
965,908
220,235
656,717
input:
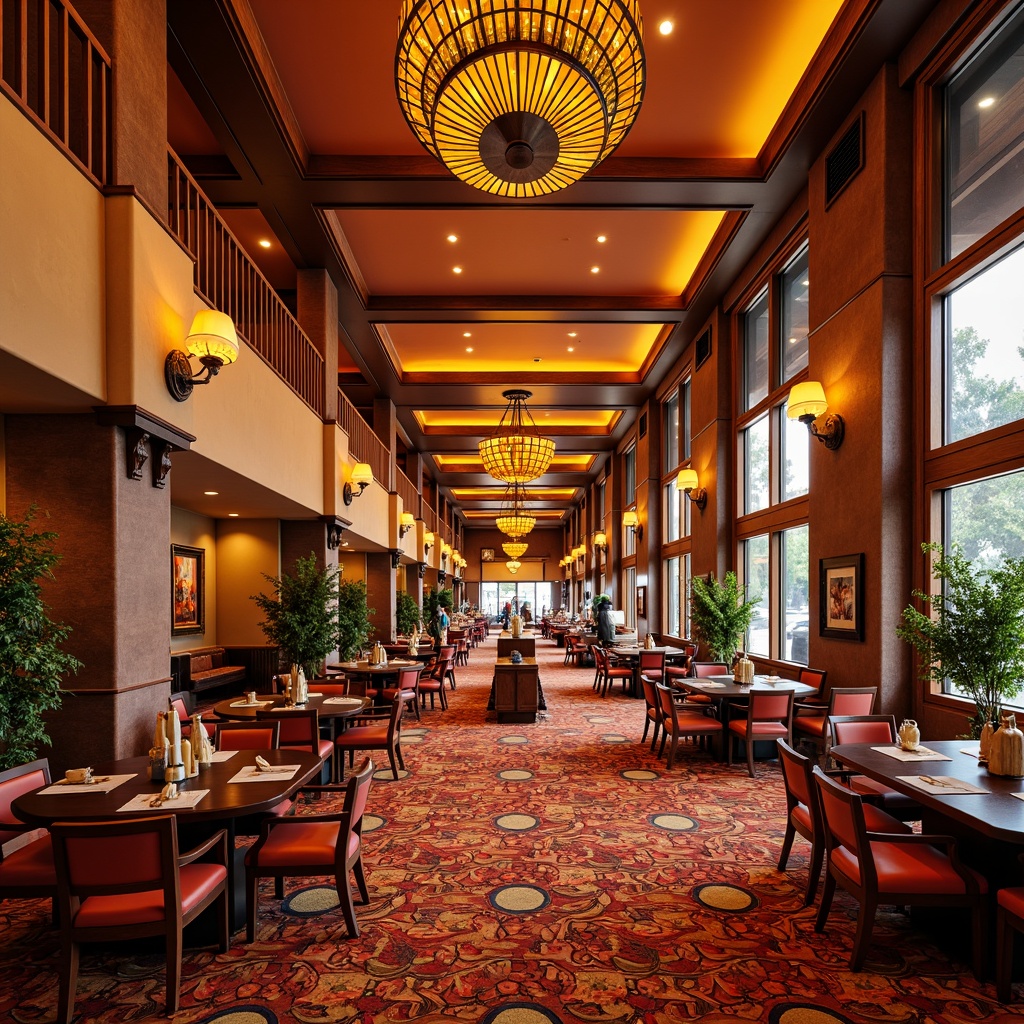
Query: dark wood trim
x,y
135,417
86,691
161,219
720,242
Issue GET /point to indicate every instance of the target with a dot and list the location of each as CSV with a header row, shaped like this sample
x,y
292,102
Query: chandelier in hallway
x,y
516,453
515,520
520,98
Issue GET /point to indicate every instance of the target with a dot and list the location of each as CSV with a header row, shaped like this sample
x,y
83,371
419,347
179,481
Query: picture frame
x,y
188,590
641,602
841,597
487,554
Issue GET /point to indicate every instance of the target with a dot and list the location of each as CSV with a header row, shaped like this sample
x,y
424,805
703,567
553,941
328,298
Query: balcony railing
x,y
407,492
53,68
228,280
363,444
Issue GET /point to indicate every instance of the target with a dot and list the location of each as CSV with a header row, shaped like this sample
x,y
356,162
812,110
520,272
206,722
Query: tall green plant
x,y
354,629
31,661
407,613
720,614
971,631
301,616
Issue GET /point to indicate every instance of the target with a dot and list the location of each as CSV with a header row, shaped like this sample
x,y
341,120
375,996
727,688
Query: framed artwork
x,y
188,590
487,554
841,598
641,602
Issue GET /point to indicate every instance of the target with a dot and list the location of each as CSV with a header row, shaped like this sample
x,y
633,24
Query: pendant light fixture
x,y
520,98
514,548
515,452
515,520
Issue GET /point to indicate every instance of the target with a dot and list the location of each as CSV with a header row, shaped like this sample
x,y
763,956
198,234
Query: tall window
x,y
773,459
974,453
675,547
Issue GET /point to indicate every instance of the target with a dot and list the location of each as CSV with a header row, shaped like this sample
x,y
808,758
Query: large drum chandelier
x,y
514,548
520,97
515,520
515,452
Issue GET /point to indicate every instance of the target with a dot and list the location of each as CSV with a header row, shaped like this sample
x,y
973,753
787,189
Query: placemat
x,y
945,786
344,701
921,754
252,774
99,784
184,801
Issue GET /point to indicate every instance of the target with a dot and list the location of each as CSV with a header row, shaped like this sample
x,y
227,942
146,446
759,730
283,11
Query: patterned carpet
x,y
529,874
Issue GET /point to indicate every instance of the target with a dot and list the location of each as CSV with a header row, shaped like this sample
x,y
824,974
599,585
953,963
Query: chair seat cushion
x,y
360,734
197,882
906,868
305,843
29,866
812,725
761,730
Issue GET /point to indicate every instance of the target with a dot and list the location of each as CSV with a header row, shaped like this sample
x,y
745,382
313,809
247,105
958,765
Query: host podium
x,y
526,645
516,690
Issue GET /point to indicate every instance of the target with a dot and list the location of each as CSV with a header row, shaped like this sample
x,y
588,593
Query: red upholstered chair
x,y
26,872
652,663
803,815
682,667
299,729
769,717
181,702
610,671
432,682
910,869
314,844
812,703
125,880
248,735
574,648
652,713
678,722
407,688
704,669
447,654
873,729
851,700
1009,919
381,730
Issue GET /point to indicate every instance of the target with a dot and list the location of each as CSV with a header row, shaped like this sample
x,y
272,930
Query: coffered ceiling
x,y
286,113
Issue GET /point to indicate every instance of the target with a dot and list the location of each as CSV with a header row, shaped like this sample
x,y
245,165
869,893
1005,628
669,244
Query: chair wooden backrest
x,y
15,782
299,728
796,775
815,677
181,702
852,700
703,669
862,729
248,735
768,706
409,678
652,660
651,697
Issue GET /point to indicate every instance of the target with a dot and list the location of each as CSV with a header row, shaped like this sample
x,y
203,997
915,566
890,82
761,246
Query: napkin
x,y
263,764
346,701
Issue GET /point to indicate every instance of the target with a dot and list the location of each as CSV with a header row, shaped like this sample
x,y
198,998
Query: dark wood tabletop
x,y
230,708
996,814
725,687
224,802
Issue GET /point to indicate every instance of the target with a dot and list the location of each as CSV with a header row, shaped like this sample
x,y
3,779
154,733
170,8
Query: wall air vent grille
x,y
845,161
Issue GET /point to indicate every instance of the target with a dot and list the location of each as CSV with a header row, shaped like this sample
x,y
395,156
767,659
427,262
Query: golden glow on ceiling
x,y
527,493
561,463
483,420
535,513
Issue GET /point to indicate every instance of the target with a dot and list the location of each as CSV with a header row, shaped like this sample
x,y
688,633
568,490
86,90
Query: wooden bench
x,y
205,668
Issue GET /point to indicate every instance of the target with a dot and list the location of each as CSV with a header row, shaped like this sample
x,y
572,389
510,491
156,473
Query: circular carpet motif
x,y
372,822
511,741
730,898
317,899
241,1015
614,737
805,1013
673,822
520,1013
414,732
519,899
410,740
633,774
513,775
516,822
386,775
600,719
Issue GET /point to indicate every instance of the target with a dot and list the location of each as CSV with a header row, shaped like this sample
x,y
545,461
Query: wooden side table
x,y
515,690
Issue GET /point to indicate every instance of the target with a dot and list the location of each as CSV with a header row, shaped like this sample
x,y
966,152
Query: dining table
x,y
222,796
330,707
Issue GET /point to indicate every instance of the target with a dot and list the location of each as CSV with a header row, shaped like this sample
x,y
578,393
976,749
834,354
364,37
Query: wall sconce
x,y
428,542
213,341
445,552
806,404
632,521
601,542
686,481
405,523
362,477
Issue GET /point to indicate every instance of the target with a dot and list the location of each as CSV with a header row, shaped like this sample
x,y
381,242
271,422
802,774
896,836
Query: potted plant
x,y
354,627
972,631
720,614
407,613
31,660
302,613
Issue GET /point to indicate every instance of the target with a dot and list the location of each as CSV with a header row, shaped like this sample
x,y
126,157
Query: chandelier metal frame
x,y
516,453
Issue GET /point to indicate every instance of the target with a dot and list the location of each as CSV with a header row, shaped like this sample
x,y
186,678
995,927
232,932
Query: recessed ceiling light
x,y
469,348
536,359
572,334
602,238
595,270
456,270
986,102
264,243
453,238
232,515
571,349
665,28
467,334
211,492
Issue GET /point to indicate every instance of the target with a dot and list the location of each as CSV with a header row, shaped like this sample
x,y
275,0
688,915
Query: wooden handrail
x,y
408,492
228,280
53,68
363,444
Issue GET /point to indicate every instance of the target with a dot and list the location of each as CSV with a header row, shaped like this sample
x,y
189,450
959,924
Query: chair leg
x,y
979,941
347,908
68,984
826,902
252,895
173,971
1004,956
357,870
862,936
787,845
647,726
279,887
813,872
223,926
672,748
654,737
749,741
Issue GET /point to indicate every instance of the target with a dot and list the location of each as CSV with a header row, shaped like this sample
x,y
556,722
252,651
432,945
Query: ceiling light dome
x,y
520,98
515,452
514,548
